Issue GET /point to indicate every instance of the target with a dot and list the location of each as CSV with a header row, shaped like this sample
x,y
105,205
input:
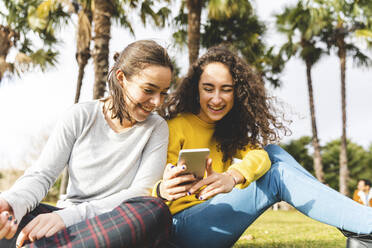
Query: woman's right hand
x,y
174,184
8,224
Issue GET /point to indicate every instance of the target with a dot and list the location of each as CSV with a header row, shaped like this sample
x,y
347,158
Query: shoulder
x,y
155,119
156,122
84,108
156,127
179,120
88,107
79,114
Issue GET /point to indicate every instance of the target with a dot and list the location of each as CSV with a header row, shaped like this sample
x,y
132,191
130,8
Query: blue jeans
x,y
220,221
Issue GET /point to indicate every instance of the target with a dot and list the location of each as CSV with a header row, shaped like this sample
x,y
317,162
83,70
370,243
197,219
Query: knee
x,y
163,213
273,151
271,148
160,223
153,203
162,208
278,154
158,208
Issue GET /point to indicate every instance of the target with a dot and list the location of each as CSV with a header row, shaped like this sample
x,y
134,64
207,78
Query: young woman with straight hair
x,y
115,150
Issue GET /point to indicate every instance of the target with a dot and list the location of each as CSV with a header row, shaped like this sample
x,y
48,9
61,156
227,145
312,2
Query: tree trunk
x,y
7,39
318,165
64,182
3,67
344,172
102,26
83,62
83,46
193,28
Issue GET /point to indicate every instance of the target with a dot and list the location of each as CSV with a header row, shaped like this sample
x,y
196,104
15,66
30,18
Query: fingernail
x,y
10,218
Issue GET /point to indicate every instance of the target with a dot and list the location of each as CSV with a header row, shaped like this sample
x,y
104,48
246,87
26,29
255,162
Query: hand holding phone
x,y
195,160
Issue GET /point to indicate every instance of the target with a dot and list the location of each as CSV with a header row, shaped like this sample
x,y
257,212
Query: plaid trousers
x,y
137,222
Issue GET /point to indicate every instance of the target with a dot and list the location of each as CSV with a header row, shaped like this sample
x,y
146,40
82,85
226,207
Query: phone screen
x,y
195,160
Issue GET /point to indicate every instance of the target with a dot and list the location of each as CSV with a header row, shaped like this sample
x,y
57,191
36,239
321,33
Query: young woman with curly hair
x,y
222,104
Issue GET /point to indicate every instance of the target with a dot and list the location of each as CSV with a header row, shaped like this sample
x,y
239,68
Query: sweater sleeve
x,y
176,140
255,164
150,171
33,186
355,196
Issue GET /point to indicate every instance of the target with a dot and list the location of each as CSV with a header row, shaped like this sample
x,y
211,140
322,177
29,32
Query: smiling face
x,y
216,92
145,91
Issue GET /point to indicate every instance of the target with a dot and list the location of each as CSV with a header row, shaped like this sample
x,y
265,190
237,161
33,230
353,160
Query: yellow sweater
x,y
187,131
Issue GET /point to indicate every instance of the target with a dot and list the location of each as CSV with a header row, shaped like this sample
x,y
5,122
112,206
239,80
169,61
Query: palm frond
x,y
44,58
163,14
146,10
360,59
225,9
365,33
124,22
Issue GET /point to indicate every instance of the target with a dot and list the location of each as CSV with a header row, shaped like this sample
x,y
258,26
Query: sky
x,y
30,105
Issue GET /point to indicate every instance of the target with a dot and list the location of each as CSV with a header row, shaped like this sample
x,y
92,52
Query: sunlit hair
x,y
134,58
252,120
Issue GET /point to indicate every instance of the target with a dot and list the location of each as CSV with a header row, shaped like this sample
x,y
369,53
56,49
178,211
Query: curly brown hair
x,y
252,112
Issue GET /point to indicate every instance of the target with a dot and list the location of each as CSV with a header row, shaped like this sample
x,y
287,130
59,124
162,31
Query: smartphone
x,y
195,160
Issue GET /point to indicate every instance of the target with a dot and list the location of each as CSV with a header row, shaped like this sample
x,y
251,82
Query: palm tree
x,y
84,37
193,29
299,22
217,9
345,21
102,12
19,21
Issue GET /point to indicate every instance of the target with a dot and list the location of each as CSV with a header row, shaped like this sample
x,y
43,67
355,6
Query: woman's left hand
x,y
216,183
43,225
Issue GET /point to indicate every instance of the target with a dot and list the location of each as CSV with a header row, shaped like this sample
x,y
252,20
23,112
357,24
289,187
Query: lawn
x,y
290,229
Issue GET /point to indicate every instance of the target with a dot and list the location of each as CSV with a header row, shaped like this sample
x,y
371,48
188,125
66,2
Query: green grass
x,y
290,229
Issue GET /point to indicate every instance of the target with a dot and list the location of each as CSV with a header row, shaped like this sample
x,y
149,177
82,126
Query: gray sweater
x,y
105,167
